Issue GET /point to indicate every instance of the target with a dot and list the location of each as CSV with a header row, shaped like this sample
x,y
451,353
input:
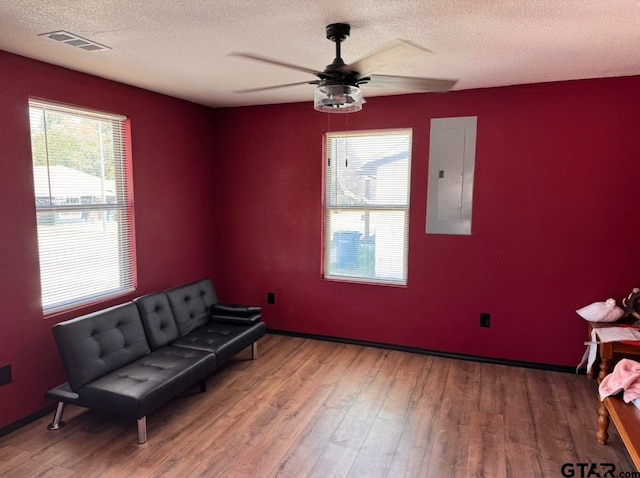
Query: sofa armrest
x,y
63,393
235,309
235,314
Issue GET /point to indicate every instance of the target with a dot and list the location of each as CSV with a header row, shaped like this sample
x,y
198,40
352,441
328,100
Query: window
x,y
367,206
84,205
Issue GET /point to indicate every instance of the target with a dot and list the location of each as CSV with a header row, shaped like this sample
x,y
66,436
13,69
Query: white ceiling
x,y
180,48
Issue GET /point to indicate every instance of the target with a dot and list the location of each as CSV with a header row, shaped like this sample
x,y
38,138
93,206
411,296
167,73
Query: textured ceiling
x,y
181,48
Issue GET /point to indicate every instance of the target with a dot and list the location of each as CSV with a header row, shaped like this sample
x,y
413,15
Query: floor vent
x,y
72,39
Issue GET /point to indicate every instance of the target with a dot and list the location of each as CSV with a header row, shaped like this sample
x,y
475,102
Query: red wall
x,y
554,220
173,154
235,194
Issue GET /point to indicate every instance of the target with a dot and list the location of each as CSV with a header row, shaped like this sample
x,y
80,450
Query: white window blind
x,y
83,205
367,186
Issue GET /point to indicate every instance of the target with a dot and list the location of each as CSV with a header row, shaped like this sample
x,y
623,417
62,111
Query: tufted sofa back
x,y
157,319
96,344
191,303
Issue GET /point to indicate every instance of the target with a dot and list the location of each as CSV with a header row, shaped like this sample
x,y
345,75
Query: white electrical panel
x,y
452,158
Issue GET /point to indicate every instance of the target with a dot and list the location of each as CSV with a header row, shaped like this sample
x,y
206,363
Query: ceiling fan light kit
x,y
337,99
338,86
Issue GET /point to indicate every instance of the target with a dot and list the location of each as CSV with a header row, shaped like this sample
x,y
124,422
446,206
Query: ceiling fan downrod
x,y
337,33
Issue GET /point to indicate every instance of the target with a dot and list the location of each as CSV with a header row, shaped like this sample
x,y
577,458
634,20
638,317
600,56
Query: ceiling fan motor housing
x,y
337,32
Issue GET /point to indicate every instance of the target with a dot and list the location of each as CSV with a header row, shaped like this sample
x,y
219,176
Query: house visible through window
x,y
367,206
84,205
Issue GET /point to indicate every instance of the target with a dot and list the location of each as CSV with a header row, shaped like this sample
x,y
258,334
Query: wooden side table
x,y
626,418
608,350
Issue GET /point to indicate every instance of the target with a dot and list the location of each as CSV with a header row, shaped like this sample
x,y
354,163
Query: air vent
x,y
74,40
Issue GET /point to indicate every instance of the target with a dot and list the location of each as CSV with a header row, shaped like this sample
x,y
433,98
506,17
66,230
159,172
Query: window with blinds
x,y
367,183
84,205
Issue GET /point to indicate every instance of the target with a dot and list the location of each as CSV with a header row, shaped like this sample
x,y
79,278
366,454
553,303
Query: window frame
x,y
328,207
120,209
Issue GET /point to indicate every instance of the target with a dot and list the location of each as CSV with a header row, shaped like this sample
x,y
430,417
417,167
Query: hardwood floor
x,y
308,408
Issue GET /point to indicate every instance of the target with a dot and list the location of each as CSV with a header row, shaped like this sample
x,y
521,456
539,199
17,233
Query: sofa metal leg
x,y
203,386
57,418
254,350
142,430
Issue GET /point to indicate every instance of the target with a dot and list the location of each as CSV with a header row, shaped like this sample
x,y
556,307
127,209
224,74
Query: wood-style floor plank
x,y
345,444
486,436
309,408
303,454
377,452
411,456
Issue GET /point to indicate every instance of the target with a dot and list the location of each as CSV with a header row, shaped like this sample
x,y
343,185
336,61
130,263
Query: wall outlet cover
x,y
5,375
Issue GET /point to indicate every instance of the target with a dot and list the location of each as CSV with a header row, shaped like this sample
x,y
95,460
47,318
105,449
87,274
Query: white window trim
x,y
121,210
328,208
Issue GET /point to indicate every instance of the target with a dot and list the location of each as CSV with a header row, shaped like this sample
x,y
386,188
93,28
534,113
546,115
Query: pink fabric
x,y
624,378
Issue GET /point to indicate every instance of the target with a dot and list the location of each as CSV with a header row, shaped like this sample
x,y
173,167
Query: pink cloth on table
x,y
624,378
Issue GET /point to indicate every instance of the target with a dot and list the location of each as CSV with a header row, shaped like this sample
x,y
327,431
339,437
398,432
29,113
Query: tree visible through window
x,y
367,206
83,205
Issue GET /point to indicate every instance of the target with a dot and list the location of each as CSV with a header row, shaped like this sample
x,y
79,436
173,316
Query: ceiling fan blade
x,y
265,88
398,53
271,61
411,83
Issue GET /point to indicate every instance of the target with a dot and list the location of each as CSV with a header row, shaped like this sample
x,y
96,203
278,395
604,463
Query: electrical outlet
x,y
485,320
5,375
271,297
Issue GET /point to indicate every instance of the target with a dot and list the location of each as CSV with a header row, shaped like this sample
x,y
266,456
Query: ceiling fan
x,y
338,86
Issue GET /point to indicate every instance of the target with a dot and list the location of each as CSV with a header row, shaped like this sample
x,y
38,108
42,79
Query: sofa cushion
x,y
225,340
95,344
157,319
142,386
191,303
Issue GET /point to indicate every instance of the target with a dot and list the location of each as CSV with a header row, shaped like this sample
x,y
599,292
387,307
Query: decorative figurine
x,y
632,305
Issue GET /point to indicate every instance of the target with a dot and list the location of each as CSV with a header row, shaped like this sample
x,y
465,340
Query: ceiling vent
x,y
74,40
